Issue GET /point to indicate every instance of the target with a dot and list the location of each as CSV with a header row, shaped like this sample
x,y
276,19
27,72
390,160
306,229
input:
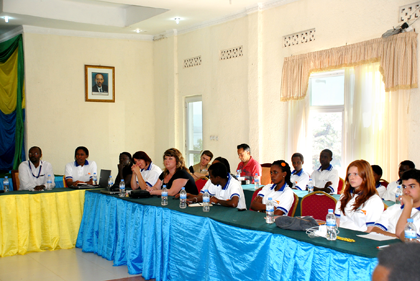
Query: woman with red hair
x,y
359,206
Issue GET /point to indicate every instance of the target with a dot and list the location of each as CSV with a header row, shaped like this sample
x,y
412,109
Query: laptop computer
x,y
103,181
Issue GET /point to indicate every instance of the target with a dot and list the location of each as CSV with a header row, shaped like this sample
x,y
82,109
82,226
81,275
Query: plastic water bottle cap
x,y
183,188
410,220
5,177
256,174
122,180
270,198
330,210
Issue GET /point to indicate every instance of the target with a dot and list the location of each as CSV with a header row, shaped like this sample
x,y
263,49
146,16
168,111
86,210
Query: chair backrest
x,y
340,186
254,195
265,177
200,183
384,182
292,210
15,179
64,181
316,204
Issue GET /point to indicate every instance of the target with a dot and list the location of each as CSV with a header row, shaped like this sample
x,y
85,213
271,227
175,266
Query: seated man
x,y
377,174
389,194
223,188
248,165
33,174
299,177
397,263
200,170
326,177
394,219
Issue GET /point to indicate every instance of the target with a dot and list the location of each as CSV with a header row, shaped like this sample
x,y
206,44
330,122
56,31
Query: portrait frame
x,y
105,75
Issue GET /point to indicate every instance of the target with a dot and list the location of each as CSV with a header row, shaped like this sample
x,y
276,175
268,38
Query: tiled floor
x,y
69,265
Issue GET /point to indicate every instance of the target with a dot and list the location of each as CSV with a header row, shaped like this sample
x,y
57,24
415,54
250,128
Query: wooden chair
x,y
316,204
340,186
292,210
64,181
384,182
200,183
265,177
15,180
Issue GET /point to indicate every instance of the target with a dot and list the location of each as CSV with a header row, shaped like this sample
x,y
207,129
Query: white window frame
x,y
188,119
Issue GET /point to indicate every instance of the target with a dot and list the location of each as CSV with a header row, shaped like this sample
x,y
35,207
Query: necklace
x,y
39,172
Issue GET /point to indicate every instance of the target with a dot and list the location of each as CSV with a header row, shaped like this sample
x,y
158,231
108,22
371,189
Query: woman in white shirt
x,y
145,173
359,206
81,170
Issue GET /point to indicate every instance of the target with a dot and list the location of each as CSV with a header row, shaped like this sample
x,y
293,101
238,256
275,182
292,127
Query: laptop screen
x,y
103,178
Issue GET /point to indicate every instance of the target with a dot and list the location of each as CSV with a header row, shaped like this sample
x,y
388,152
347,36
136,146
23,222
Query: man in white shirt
x,y
326,177
299,177
33,174
389,194
224,189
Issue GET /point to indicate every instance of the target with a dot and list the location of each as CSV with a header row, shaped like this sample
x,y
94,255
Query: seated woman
x,y
280,190
359,207
145,173
200,170
124,170
175,176
81,170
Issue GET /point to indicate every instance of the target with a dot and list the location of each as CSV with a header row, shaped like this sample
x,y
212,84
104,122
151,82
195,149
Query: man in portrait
x,y
99,86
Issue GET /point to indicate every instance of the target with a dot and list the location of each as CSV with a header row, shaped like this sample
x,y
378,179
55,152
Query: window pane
x,y
195,126
326,132
327,90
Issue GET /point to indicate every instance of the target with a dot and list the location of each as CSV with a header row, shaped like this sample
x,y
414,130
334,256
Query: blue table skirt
x,y
168,245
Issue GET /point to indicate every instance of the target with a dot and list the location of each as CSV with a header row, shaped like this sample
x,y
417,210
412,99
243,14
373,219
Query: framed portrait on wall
x,y
99,83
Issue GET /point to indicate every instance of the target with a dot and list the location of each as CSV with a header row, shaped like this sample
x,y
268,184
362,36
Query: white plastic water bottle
x,y
331,226
238,174
122,188
164,196
410,231
49,183
398,193
95,179
310,186
6,184
183,198
110,183
256,181
206,201
269,211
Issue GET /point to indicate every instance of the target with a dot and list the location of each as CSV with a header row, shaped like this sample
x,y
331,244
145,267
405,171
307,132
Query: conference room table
x,y
35,221
170,243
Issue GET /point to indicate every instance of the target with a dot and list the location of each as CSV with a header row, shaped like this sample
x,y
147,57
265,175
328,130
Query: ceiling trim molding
x,y
10,34
249,10
90,34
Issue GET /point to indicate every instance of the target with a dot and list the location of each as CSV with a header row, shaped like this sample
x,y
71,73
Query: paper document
x,y
377,236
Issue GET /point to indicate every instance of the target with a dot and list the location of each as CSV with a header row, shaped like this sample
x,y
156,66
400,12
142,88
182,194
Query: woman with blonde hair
x,y
174,176
359,206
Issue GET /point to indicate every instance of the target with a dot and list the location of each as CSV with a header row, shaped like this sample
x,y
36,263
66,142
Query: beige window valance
x,y
397,55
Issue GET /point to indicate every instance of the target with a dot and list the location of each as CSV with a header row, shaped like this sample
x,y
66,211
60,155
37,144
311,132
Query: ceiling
x,y
151,17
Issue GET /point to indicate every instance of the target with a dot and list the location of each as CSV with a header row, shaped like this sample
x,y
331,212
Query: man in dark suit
x,y
99,87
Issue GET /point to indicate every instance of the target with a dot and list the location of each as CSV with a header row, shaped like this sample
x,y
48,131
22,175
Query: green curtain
x,y
12,112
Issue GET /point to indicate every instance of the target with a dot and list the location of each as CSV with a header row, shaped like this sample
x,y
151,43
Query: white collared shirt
x,y
150,175
366,215
80,173
391,189
389,219
283,198
299,180
232,188
30,177
320,178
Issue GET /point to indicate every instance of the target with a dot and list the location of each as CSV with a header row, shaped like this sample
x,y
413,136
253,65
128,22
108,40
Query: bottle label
x,y
183,196
164,193
410,234
269,209
206,199
330,222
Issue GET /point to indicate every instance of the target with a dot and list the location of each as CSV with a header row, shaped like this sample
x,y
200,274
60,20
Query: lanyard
x,y
40,168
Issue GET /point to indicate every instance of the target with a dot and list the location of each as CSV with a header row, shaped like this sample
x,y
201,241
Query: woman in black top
x,y
175,176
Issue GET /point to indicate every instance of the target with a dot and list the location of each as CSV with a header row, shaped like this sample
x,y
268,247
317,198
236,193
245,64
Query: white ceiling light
x,y
6,19
177,20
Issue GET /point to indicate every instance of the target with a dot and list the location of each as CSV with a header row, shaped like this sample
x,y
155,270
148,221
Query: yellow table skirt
x,y
39,222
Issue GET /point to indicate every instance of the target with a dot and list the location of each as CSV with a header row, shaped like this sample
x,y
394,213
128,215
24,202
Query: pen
x,y
383,246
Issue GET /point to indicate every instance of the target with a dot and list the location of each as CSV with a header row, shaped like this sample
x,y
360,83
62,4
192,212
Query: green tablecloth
x,y
255,221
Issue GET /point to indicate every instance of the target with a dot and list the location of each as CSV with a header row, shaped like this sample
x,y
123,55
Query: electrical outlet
x,y
406,12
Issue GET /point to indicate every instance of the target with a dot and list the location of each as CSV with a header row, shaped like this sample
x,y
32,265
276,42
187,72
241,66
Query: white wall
x,y
241,96
57,117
